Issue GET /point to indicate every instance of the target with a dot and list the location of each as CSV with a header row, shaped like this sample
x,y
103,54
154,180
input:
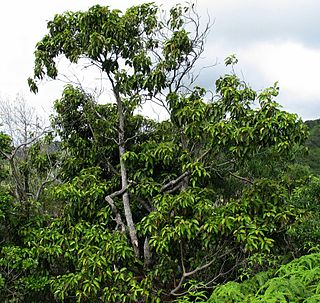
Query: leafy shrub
x,y
297,281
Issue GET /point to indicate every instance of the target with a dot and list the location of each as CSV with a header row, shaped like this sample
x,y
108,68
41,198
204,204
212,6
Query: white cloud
x,y
295,66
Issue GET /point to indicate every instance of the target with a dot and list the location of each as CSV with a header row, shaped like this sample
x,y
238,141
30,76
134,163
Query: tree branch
x,y
174,182
241,178
13,154
186,274
114,209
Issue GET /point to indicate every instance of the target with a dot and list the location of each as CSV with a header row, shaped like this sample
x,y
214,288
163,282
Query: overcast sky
x,y
275,40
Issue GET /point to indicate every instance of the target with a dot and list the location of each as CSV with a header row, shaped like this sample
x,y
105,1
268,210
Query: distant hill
x,y
312,158
314,139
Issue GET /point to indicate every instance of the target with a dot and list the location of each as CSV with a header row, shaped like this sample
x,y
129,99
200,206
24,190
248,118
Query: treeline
x,y
107,205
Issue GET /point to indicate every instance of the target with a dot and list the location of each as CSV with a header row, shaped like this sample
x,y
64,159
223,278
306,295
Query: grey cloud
x,y
242,22
238,25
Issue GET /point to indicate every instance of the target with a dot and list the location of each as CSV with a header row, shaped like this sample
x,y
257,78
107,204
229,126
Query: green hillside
x,y
312,157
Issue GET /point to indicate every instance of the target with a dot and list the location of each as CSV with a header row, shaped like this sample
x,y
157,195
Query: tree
x,y
31,163
154,211
27,171
20,120
157,54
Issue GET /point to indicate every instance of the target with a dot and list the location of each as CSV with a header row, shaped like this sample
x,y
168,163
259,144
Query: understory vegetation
x,y
297,281
211,204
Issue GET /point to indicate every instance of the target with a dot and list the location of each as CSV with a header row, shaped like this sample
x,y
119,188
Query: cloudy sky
x,y
275,40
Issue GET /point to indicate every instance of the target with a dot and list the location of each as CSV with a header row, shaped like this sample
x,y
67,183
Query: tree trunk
x,y
124,178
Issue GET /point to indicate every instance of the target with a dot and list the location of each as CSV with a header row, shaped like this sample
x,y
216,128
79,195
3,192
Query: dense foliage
x,y
297,281
139,210
312,156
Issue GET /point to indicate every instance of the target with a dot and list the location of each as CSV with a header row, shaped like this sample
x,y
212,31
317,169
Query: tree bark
x,y
123,171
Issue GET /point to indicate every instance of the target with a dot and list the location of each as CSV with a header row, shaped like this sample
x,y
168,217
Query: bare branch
x,y
245,180
186,274
115,211
13,154
190,273
174,182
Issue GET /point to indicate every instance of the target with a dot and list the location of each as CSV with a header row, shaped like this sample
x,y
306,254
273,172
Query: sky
x,y
274,40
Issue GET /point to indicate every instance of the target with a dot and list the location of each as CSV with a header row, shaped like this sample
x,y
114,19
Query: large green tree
x,y
154,211
140,56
